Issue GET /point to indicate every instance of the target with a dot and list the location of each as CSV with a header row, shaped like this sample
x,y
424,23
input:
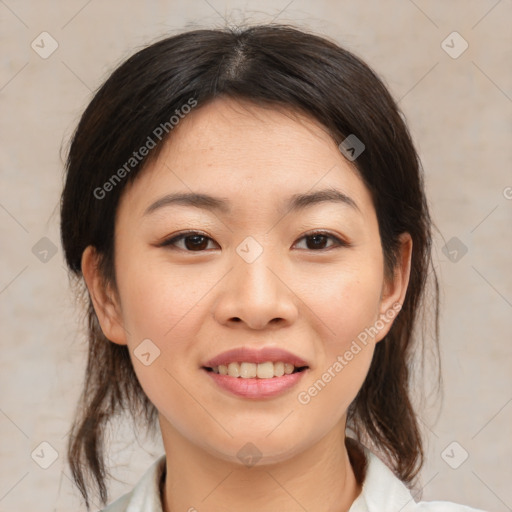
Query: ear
x,y
394,289
104,300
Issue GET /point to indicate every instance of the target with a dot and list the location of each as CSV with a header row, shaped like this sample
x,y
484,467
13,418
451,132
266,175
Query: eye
x,y
319,238
195,241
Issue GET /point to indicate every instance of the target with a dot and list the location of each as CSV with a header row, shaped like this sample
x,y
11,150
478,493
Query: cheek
x,y
334,386
159,300
162,304
347,350
346,305
346,299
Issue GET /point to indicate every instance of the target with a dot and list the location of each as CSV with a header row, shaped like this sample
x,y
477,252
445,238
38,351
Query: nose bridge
x,y
253,276
255,292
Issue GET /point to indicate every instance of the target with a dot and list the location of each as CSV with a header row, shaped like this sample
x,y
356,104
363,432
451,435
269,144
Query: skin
x,y
194,305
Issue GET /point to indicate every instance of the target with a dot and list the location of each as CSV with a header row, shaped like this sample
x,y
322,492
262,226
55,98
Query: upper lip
x,y
251,355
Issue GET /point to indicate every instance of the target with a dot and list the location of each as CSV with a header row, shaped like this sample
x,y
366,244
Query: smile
x,y
247,380
266,370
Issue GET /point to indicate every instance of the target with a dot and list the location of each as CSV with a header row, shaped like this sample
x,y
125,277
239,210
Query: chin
x,y
249,450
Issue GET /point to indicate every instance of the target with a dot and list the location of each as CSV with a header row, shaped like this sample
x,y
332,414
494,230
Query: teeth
x,y
279,369
265,370
234,370
288,368
248,370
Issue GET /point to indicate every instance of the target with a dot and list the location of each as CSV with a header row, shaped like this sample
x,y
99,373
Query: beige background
x,y
459,112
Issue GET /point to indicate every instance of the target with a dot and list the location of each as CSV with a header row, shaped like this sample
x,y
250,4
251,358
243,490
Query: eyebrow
x,y
295,202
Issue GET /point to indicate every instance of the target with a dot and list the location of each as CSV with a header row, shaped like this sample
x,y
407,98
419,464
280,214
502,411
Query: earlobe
x,y
106,307
395,289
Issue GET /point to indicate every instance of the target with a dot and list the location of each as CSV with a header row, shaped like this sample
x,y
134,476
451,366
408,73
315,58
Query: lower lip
x,y
256,388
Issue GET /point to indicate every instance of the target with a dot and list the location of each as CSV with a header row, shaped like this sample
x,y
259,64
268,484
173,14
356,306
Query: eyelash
x,y
170,242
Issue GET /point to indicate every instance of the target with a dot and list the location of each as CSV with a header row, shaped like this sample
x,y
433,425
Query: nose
x,y
256,295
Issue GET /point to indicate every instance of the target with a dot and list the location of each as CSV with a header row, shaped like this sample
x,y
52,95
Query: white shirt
x,y
382,492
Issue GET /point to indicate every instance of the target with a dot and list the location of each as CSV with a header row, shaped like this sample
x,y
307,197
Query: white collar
x,y
382,490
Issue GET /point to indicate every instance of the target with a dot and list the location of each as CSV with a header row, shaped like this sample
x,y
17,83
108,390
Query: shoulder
x,y
146,493
383,492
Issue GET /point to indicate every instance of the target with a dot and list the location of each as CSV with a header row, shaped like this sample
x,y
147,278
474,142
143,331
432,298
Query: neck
x,y
319,479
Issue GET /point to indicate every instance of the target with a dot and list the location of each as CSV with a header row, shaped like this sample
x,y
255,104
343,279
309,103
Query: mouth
x,y
247,370
256,381
260,374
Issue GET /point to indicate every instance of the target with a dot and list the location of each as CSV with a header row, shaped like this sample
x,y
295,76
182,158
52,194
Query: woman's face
x,y
252,276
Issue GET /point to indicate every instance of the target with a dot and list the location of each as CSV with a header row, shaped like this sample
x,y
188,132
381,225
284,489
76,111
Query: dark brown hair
x,y
273,66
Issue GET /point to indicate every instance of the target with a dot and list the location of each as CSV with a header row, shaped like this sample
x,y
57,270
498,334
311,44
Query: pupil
x,y
317,237
195,244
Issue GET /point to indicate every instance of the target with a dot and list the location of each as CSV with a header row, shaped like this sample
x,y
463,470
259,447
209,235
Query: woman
x,y
247,212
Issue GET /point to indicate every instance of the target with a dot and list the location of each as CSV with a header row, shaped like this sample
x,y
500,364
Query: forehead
x,y
250,155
